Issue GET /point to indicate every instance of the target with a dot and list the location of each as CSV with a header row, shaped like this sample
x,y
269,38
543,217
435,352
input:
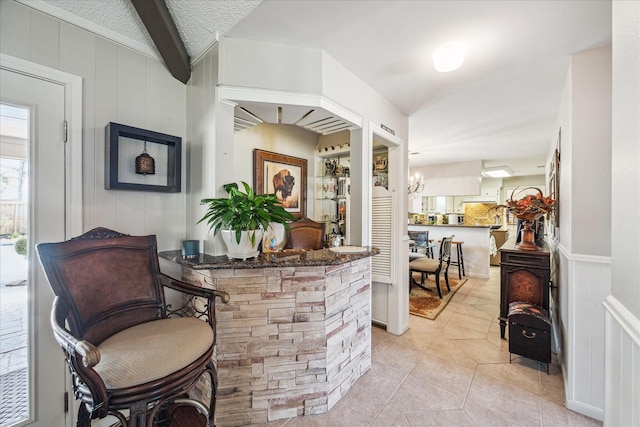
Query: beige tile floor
x,y
453,371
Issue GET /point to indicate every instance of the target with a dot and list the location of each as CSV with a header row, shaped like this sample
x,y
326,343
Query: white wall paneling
x,y
584,245
588,284
622,344
119,85
623,355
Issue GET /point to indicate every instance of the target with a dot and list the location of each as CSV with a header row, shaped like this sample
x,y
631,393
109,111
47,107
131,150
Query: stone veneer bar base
x,y
292,340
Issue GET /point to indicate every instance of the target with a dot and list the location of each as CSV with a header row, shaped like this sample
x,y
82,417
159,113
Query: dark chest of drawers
x,y
524,276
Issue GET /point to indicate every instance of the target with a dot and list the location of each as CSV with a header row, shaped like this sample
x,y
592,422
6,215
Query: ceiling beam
x,y
156,18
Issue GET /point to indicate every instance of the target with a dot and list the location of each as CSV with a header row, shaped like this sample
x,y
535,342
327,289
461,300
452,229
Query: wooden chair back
x,y
305,234
109,280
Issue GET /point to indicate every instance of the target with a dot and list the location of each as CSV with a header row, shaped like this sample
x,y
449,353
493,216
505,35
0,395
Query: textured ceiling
x,y
199,22
118,16
501,106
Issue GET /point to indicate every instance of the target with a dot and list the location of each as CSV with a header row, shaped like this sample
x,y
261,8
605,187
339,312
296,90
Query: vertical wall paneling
x,y
622,344
131,89
45,40
103,203
15,30
622,362
201,162
119,85
588,286
78,57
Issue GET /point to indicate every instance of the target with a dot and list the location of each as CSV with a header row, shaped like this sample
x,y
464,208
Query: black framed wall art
x,y
142,160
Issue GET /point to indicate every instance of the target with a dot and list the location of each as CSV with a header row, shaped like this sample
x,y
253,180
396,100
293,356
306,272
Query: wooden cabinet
x,y
525,277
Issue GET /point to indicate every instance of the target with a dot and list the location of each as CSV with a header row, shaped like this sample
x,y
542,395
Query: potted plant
x,y
21,246
242,218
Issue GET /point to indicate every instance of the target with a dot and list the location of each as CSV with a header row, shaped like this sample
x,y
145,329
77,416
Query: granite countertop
x,y
285,258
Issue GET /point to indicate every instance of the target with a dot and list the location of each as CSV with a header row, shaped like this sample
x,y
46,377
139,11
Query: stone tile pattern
x,y
292,341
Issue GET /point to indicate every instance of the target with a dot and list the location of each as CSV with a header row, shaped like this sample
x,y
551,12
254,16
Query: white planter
x,y
244,249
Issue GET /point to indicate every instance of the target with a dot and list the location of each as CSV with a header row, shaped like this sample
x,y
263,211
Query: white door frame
x,y
72,89
73,113
398,291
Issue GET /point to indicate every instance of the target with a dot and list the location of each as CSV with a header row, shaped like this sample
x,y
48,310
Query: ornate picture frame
x,y
284,176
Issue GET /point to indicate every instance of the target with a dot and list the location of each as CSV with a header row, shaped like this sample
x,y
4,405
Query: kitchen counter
x,y
475,249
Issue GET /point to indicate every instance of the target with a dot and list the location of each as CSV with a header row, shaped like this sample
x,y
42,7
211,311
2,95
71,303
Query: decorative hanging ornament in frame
x,y
158,168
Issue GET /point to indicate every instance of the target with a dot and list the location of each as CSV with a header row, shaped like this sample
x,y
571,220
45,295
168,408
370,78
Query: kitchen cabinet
x,y
429,204
458,206
443,204
524,276
448,204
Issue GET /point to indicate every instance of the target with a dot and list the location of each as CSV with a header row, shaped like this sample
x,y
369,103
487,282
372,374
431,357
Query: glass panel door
x,y
14,310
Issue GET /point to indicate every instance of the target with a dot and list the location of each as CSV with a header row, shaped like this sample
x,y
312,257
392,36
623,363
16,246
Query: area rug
x,y
427,304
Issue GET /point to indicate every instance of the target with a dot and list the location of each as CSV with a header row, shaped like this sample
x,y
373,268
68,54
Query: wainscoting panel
x,y
588,283
622,366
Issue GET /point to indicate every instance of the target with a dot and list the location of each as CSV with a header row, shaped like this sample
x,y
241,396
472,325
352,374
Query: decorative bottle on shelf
x,y
332,186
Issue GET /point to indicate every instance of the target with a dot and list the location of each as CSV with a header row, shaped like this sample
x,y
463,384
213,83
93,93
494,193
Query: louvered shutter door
x,y
381,237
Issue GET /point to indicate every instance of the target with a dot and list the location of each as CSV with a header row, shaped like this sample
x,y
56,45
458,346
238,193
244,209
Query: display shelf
x,y
332,189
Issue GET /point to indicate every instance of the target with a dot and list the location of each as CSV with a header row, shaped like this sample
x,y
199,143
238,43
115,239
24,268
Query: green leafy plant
x,y
21,246
244,211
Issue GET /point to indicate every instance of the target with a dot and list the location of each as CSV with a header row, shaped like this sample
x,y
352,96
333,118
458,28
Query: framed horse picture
x,y
284,176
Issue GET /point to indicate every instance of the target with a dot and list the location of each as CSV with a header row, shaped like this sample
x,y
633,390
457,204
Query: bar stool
x,y
459,259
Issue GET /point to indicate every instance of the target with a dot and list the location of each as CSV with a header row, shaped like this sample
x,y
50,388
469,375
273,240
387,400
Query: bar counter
x,y
285,258
296,334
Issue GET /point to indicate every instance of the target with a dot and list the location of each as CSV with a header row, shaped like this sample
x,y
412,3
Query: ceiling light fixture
x,y
449,57
416,185
498,172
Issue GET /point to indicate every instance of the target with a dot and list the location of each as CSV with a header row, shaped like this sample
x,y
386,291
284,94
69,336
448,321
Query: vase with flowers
x,y
528,209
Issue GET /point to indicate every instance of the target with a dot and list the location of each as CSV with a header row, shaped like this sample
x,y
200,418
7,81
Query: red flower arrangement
x,y
530,207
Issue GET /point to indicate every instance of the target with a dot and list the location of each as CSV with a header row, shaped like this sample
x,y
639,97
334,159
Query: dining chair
x,y
305,234
426,266
130,354
420,245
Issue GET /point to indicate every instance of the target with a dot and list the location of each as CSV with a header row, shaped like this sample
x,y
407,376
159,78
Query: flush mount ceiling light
x,y
497,172
449,57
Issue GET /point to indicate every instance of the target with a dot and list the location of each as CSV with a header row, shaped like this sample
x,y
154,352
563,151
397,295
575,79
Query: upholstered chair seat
x,y
152,350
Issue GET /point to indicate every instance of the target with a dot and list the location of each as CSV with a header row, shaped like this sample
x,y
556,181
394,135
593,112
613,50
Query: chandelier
x,y
416,185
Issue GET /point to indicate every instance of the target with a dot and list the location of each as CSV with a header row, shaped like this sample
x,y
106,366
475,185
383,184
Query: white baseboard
x,y
584,409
